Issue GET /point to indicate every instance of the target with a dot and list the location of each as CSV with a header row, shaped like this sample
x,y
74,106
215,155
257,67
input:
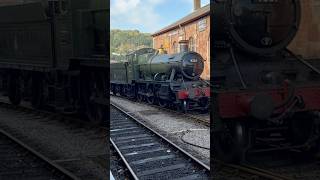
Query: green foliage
x,y
125,41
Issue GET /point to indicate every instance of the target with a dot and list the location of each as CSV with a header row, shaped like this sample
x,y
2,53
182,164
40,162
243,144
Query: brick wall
x,y
199,30
307,41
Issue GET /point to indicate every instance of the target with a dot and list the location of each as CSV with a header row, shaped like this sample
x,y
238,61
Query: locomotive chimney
x,y
184,45
196,4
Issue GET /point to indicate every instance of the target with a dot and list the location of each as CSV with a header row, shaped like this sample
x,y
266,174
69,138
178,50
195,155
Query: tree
x,y
125,41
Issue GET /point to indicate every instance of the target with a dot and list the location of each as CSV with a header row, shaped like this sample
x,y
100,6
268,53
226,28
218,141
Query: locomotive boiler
x,y
54,54
189,64
265,98
162,78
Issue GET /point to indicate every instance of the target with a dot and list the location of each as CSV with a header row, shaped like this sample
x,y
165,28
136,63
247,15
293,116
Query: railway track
x,y
77,146
19,161
147,154
225,170
186,116
24,107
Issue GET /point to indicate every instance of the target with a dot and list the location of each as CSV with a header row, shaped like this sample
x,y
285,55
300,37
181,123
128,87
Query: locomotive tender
x,y
265,97
54,54
162,78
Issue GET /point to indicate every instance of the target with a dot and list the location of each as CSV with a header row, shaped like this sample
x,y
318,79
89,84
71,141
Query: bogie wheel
x,y
230,145
93,91
14,89
150,95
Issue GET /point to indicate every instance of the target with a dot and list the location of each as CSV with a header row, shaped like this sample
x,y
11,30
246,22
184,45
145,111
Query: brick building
x,y
195,28
307,41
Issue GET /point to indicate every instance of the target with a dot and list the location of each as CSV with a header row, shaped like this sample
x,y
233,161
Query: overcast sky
x,y
148,15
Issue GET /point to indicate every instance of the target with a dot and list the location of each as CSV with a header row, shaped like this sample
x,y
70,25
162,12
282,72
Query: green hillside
x,y
124,41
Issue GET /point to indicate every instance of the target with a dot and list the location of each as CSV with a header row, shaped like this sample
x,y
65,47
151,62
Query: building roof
x,y
202,12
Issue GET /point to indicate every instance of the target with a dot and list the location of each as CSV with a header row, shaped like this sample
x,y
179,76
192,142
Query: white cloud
x,y
122,6
136,12
140,13
205,2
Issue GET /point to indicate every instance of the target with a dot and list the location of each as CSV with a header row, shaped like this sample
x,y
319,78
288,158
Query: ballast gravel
x,y
81,150
177,129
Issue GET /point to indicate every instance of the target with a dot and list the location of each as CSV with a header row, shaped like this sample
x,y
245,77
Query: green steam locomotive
x,y
163,79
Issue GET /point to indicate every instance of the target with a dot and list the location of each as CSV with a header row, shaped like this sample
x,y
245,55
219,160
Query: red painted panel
x,y
235,104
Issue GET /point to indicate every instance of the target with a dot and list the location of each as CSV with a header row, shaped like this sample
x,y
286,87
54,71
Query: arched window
x,y
192,45
175,47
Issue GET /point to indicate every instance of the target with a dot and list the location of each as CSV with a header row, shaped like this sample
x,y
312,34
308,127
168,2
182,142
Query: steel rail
x,y
133,174
261,173
59,116
39,155
186,115
185,153
55,117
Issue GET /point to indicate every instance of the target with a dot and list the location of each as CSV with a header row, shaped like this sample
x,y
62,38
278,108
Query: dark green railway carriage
x,y
54,53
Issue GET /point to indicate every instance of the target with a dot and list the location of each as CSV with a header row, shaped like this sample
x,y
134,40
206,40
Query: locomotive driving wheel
x,y
140,97
163,102
150,96
230,144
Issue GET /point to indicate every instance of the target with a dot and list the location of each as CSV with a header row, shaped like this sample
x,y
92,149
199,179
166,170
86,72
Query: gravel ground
x,y
173,127
119,170
83,151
